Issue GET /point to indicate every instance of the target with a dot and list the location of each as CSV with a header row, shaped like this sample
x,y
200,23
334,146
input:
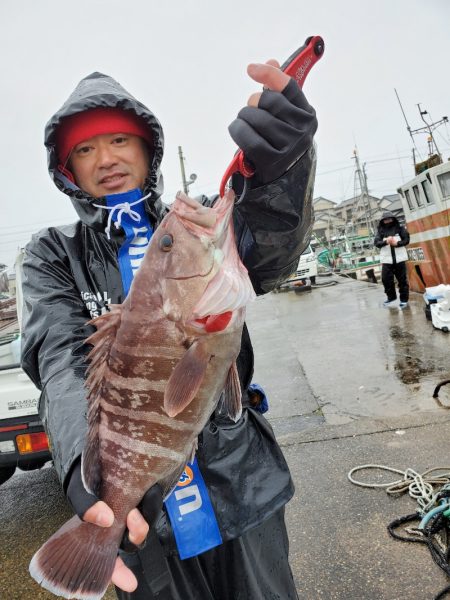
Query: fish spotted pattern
x,y
159,365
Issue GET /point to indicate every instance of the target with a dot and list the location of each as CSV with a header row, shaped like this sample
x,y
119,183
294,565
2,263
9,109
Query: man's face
x,y
110,164
388,221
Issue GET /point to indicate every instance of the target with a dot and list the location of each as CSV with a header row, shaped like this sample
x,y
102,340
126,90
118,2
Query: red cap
x,y
97,121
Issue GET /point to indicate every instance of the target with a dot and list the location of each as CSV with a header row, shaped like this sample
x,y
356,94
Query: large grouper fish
x,y
160,363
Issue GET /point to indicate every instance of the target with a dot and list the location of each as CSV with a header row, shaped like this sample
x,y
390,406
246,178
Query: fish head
x,y
203,283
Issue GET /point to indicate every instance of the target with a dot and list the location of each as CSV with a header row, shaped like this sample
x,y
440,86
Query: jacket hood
x,y
99,90
388,215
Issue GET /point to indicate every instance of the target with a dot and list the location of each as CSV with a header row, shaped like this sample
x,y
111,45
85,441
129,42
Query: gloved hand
x,y
79,499
278,128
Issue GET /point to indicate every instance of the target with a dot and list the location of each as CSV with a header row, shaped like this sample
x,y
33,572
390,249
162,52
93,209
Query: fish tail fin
x,y
77,561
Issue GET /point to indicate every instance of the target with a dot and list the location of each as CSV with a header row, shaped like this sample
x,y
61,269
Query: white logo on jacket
x,y
93,302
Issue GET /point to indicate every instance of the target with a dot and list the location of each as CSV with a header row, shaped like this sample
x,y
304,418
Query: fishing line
x,y
243,193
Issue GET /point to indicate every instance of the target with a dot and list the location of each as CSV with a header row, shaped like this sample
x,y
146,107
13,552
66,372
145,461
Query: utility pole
x,y
364,191
192,177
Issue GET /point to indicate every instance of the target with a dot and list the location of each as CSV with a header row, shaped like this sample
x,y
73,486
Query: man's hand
x,y
277,126
392,241
90,509
271,77
101,514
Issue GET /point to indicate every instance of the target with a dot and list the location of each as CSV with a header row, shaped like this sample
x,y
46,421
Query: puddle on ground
x,y
411,369
412,364
397,333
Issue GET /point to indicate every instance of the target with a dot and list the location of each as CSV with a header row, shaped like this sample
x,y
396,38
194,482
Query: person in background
x,y
104,152
392,238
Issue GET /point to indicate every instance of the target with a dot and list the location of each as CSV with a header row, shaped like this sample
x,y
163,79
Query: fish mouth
x,y
229,289
204,221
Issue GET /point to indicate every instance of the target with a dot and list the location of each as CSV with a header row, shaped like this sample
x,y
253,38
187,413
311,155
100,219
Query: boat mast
x,y
361,173
429,128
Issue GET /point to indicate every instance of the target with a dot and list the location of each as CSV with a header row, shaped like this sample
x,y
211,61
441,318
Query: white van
x,y
307,265
23,441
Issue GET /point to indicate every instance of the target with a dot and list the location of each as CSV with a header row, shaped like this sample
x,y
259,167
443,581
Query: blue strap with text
x,y
192,515
129,251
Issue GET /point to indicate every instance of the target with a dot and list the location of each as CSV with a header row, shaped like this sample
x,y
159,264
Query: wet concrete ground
x,y
349,382
337,353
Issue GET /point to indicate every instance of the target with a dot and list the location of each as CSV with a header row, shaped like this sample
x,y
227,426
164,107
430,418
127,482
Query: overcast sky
x,y
187,61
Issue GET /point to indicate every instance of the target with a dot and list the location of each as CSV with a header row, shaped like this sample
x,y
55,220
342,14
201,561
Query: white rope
x,y
419,486
122,208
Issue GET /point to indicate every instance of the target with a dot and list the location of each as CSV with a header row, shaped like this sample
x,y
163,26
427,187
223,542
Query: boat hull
x,y
429,251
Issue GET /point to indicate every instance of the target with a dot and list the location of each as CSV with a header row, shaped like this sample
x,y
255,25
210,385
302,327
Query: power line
x,y
372,162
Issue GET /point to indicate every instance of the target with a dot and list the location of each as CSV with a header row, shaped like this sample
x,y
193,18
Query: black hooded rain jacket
x,y
391,254
71,273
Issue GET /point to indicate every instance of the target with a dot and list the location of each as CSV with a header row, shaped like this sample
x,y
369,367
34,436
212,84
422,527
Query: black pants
x,y
252,567
387,276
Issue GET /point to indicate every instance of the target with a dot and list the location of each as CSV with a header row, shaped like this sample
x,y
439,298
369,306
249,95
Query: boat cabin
x,y
426,204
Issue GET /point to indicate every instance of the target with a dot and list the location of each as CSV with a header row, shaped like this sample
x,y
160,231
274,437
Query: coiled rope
x,y
419,485
433,528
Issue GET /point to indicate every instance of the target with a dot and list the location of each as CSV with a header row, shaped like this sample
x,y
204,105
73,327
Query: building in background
x,y
356,216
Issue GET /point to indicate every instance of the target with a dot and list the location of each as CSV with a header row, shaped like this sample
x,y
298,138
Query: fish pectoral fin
x,y
186,379
232,401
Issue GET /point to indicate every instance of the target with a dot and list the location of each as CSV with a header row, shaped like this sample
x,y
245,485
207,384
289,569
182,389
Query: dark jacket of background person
x,y
391,254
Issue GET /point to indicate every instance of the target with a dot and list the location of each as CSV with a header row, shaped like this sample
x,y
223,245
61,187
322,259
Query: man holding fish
x,y
168,376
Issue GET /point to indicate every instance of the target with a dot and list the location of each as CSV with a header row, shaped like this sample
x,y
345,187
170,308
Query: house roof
x,y
391,197
322,199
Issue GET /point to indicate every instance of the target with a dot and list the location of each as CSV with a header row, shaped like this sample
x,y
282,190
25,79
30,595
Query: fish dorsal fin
x,y
232,401
102,341
186,379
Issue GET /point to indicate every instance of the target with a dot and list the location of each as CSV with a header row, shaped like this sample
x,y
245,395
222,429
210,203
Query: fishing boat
x,y
426,204
352,256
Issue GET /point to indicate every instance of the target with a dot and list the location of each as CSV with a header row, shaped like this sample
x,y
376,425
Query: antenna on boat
x,y
408,128
404,116
434,156
430,128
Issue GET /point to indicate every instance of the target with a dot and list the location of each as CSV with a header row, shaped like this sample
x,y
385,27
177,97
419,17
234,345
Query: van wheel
x,y
31,466
313,280
6,473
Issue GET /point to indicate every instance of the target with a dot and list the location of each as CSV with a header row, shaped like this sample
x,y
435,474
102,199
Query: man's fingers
x,y
269,75
273,62
137,527
123,577
254,99
99,514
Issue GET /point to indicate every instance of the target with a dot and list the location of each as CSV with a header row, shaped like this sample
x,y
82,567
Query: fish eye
x,y
166,242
